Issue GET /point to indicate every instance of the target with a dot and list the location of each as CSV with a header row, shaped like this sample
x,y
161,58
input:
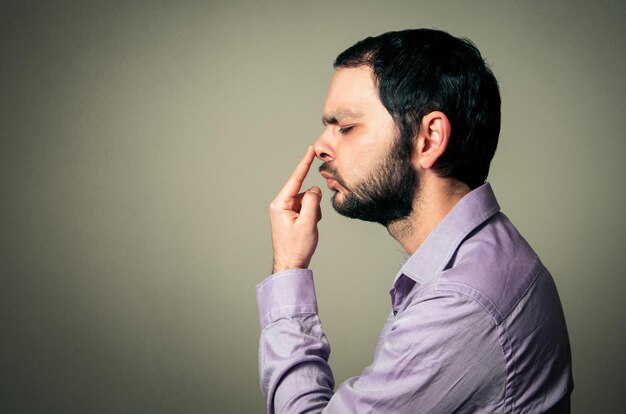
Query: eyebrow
x,y
334,117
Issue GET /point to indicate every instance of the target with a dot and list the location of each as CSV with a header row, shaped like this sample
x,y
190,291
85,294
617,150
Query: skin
x,y
358,132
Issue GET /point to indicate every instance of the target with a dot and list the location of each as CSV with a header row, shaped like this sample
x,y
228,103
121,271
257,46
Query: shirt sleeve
x,y
293,351
433,357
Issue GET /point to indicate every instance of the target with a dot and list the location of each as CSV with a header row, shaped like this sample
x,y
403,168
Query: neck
x,y
433,201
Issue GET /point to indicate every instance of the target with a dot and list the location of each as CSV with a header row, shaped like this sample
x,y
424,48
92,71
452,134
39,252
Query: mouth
x,y
330,181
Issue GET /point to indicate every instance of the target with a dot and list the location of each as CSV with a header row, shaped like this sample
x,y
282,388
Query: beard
x,y
386,195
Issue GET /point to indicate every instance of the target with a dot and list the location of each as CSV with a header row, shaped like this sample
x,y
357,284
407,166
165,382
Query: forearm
x,y
294,370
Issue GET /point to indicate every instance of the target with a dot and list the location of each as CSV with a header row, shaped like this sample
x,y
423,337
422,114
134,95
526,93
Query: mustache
x,y
327,168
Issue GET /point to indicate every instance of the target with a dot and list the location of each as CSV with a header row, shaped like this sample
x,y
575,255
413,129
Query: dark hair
x,y
420,71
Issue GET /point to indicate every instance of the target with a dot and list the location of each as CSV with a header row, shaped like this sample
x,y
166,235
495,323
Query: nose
x,y
324,146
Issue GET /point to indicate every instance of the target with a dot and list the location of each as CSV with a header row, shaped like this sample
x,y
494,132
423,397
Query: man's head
x,y
413,73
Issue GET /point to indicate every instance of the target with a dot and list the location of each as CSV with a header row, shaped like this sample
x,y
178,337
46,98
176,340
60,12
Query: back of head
x,y
422,70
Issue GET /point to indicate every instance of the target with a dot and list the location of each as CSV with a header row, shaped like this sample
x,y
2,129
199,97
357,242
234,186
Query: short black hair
x,y
423,70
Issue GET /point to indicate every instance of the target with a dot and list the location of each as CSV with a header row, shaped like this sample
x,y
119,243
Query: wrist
x,y
282,266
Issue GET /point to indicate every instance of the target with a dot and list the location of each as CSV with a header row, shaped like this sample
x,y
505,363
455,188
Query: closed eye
x,y
346,129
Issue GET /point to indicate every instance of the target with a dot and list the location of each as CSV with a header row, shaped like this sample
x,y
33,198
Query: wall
x,y
141,143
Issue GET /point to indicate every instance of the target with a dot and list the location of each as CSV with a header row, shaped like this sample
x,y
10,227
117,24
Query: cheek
x,y
357,170
360,155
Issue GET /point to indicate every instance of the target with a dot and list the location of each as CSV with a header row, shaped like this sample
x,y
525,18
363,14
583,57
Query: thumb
x,y
310,205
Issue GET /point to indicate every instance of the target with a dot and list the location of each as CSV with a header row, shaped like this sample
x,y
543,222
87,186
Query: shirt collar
x,y
434,254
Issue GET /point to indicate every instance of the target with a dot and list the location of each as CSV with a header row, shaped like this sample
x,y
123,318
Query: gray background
x,y
141,144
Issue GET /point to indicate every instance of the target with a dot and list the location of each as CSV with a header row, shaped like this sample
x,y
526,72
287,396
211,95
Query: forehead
x,y
353,91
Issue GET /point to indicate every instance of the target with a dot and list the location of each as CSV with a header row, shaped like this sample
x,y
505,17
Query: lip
x,y
330,181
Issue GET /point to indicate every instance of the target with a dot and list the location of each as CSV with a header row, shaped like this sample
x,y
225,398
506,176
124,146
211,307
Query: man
x,y
412,120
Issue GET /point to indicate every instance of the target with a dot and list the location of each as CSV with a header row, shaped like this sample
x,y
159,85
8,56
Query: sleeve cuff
x,y
284,294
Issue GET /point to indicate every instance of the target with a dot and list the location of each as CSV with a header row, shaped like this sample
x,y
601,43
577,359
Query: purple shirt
x,y
476,327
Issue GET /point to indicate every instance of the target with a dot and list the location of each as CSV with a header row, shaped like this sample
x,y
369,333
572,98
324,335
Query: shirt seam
x,y
279,275
476,296
511,373
537,270
271,317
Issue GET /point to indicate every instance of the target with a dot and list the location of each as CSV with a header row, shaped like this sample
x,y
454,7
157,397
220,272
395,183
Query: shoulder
x,y
495,266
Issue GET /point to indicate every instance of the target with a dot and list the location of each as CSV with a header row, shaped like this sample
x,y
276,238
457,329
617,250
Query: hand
x,y
294,217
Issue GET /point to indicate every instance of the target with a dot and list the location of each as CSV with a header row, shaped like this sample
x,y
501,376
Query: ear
x,y
432,139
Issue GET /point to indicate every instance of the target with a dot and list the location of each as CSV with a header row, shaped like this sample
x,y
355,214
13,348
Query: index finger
x,y
294,183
